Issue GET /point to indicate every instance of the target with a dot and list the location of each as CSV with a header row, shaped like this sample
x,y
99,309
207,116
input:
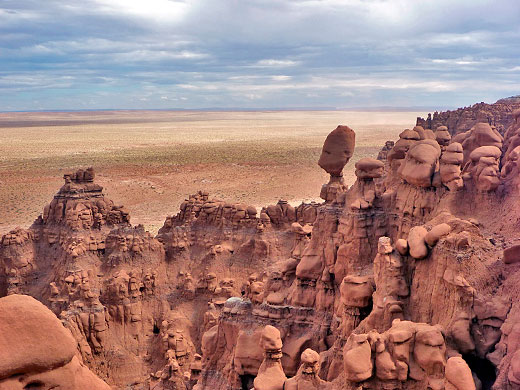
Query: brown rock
x,y
417,243
512,254
442,135
357,357
270,374
458,375
337,150
307,376
402,246
420,163
369,168
36,348
436,233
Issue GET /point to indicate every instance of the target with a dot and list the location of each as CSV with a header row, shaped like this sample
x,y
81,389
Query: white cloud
x,y
157,55
217,52
272,63
157,10
455,61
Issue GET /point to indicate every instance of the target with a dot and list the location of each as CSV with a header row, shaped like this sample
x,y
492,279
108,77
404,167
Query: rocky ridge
x,y
405,280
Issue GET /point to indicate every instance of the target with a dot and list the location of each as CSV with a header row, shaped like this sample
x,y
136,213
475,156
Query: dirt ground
x,y
150,161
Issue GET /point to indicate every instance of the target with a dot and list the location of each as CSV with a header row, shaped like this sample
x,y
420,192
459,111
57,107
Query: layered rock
x,y
405,280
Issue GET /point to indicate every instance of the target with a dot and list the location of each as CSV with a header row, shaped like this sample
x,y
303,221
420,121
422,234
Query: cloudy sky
x,y
94,54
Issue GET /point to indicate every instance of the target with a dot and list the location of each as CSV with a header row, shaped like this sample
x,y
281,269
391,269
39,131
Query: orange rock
x,y
35,348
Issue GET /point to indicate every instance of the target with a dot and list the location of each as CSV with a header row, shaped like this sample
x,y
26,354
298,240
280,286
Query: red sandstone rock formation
x,y
498,114
336,153
406,280
37,352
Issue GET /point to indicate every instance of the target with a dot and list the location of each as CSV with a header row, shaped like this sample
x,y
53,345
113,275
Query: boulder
x,y
416,241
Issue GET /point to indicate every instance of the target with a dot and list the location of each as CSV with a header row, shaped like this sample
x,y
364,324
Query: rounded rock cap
x,y
368,164
454,147
270,338
310,356
410,134
337,150
32,339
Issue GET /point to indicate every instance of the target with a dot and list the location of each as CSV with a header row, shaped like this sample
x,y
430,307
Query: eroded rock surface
x,y
406,280
37,351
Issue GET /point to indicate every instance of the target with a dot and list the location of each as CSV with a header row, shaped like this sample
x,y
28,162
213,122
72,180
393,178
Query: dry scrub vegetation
x,y
151,160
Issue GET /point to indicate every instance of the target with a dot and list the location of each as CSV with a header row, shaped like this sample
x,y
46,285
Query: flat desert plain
x,y
150,161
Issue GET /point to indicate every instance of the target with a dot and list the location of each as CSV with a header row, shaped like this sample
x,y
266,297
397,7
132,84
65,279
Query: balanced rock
x,y
337,150
369,168
270,374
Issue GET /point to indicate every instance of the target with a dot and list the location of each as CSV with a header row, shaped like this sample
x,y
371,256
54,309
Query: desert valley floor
x,y
150,161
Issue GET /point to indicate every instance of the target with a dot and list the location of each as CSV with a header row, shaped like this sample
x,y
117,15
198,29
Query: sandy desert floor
x,y
150,161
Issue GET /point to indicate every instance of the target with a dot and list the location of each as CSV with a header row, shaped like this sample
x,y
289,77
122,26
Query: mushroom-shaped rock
x,y
424,133
410,135
270,374
458,375
369,168
36,348
485,151
442,135
416,242
307,375
485,135
482,134
406,139
420,163
337,150
484,167
311,264
453,154
450,167
438,231
356,291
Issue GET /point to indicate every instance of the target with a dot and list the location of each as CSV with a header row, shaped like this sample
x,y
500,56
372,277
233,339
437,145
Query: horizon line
x,y
242,109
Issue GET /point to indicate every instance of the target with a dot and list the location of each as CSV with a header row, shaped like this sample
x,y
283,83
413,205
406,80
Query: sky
x,y
161,54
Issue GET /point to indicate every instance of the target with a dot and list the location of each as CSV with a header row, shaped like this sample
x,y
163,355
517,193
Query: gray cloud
x,y
269,53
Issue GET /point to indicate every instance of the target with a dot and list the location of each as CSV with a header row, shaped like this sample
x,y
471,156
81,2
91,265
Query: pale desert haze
x,y
150,161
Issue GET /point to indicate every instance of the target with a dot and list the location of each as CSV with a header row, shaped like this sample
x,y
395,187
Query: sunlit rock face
x,y
405,280
337,150
37,351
